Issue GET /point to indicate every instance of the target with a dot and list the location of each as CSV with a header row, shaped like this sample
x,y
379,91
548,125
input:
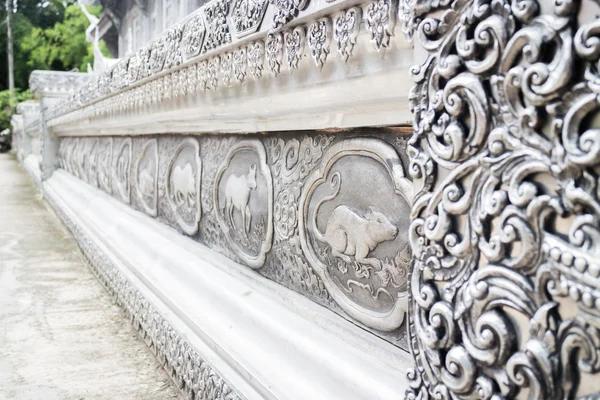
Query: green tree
x,y
5,110
62,47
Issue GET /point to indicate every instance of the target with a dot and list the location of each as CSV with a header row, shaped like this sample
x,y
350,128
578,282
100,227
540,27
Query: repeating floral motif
x,y
286,10
506,151
319,40
115,91
294,46
345,31
226,68
274,49
247,16
193,37
255,56
215,14
380,20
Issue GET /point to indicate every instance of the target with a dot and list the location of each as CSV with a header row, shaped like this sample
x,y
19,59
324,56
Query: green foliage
x,y
62,47
6,111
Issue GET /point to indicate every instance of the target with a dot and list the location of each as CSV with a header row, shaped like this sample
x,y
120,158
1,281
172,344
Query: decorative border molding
x,y
149,78
190,373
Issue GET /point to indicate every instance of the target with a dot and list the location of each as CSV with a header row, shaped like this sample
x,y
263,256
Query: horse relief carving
x,y
237,192
183,185
121,169
243,201
146,171
353,228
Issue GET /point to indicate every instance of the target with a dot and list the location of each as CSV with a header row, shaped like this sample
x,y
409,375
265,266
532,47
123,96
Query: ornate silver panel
x,y
121,169
505,227
243,196
146,177
247,16
183,185
105,152
253,198
354,231
91,164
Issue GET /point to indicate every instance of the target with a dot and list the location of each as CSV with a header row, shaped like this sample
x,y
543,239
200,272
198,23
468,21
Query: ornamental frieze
x,y
324,215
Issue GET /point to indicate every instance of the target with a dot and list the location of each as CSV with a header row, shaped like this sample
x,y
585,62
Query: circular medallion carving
x,y
354,220
105,151
183,185
146,177
121,166
243,196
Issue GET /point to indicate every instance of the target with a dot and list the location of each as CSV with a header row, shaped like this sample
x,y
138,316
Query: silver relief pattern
x,y
183,185
380,20
121,169
274,52
294,46
146,177
358,243
215,15
239,64
345,31
286,10
243,200
255,55
319,40
247,16
505,289
193,37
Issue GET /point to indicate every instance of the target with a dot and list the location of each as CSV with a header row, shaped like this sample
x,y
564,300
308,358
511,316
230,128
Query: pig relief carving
x,y
237,196
350,234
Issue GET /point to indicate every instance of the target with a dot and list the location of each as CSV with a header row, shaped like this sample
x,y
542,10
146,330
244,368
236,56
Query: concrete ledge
x,y
265,341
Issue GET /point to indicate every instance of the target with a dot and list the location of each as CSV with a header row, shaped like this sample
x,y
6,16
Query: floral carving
x,y
274,52
319,40
255,55
294,46
173,57
202,72
121,168
286,10
193,37
215,13
505,226
346,26
380,20
239,64
226,68
247,16
158,55
212,73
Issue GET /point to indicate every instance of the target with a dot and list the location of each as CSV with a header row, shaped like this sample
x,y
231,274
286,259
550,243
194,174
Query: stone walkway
x,y
60,335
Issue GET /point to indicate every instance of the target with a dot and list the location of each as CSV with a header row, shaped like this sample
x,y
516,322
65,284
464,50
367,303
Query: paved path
x,y
60,335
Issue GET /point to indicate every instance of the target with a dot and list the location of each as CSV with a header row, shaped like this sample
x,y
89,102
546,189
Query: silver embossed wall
x,y
324,214
505,289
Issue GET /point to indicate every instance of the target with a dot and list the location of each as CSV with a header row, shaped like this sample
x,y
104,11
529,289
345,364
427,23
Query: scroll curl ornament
x,y
506,155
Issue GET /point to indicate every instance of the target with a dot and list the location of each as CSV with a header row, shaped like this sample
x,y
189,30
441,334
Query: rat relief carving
x,y
122,163
183,185
146,175
354,229
243,200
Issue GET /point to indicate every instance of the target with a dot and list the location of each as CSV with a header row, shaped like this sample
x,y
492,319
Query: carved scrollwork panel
x,y
145,173
121,170
243,201
92,163
183,185
353,229
247,16
346,26
505,229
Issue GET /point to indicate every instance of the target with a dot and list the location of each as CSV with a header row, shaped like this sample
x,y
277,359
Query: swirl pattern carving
x,y
505,289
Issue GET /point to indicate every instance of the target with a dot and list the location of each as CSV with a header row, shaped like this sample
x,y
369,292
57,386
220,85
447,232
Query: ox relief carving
x,y
183,185
105,150
243,201
354,229
121,166
146,177
505,288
